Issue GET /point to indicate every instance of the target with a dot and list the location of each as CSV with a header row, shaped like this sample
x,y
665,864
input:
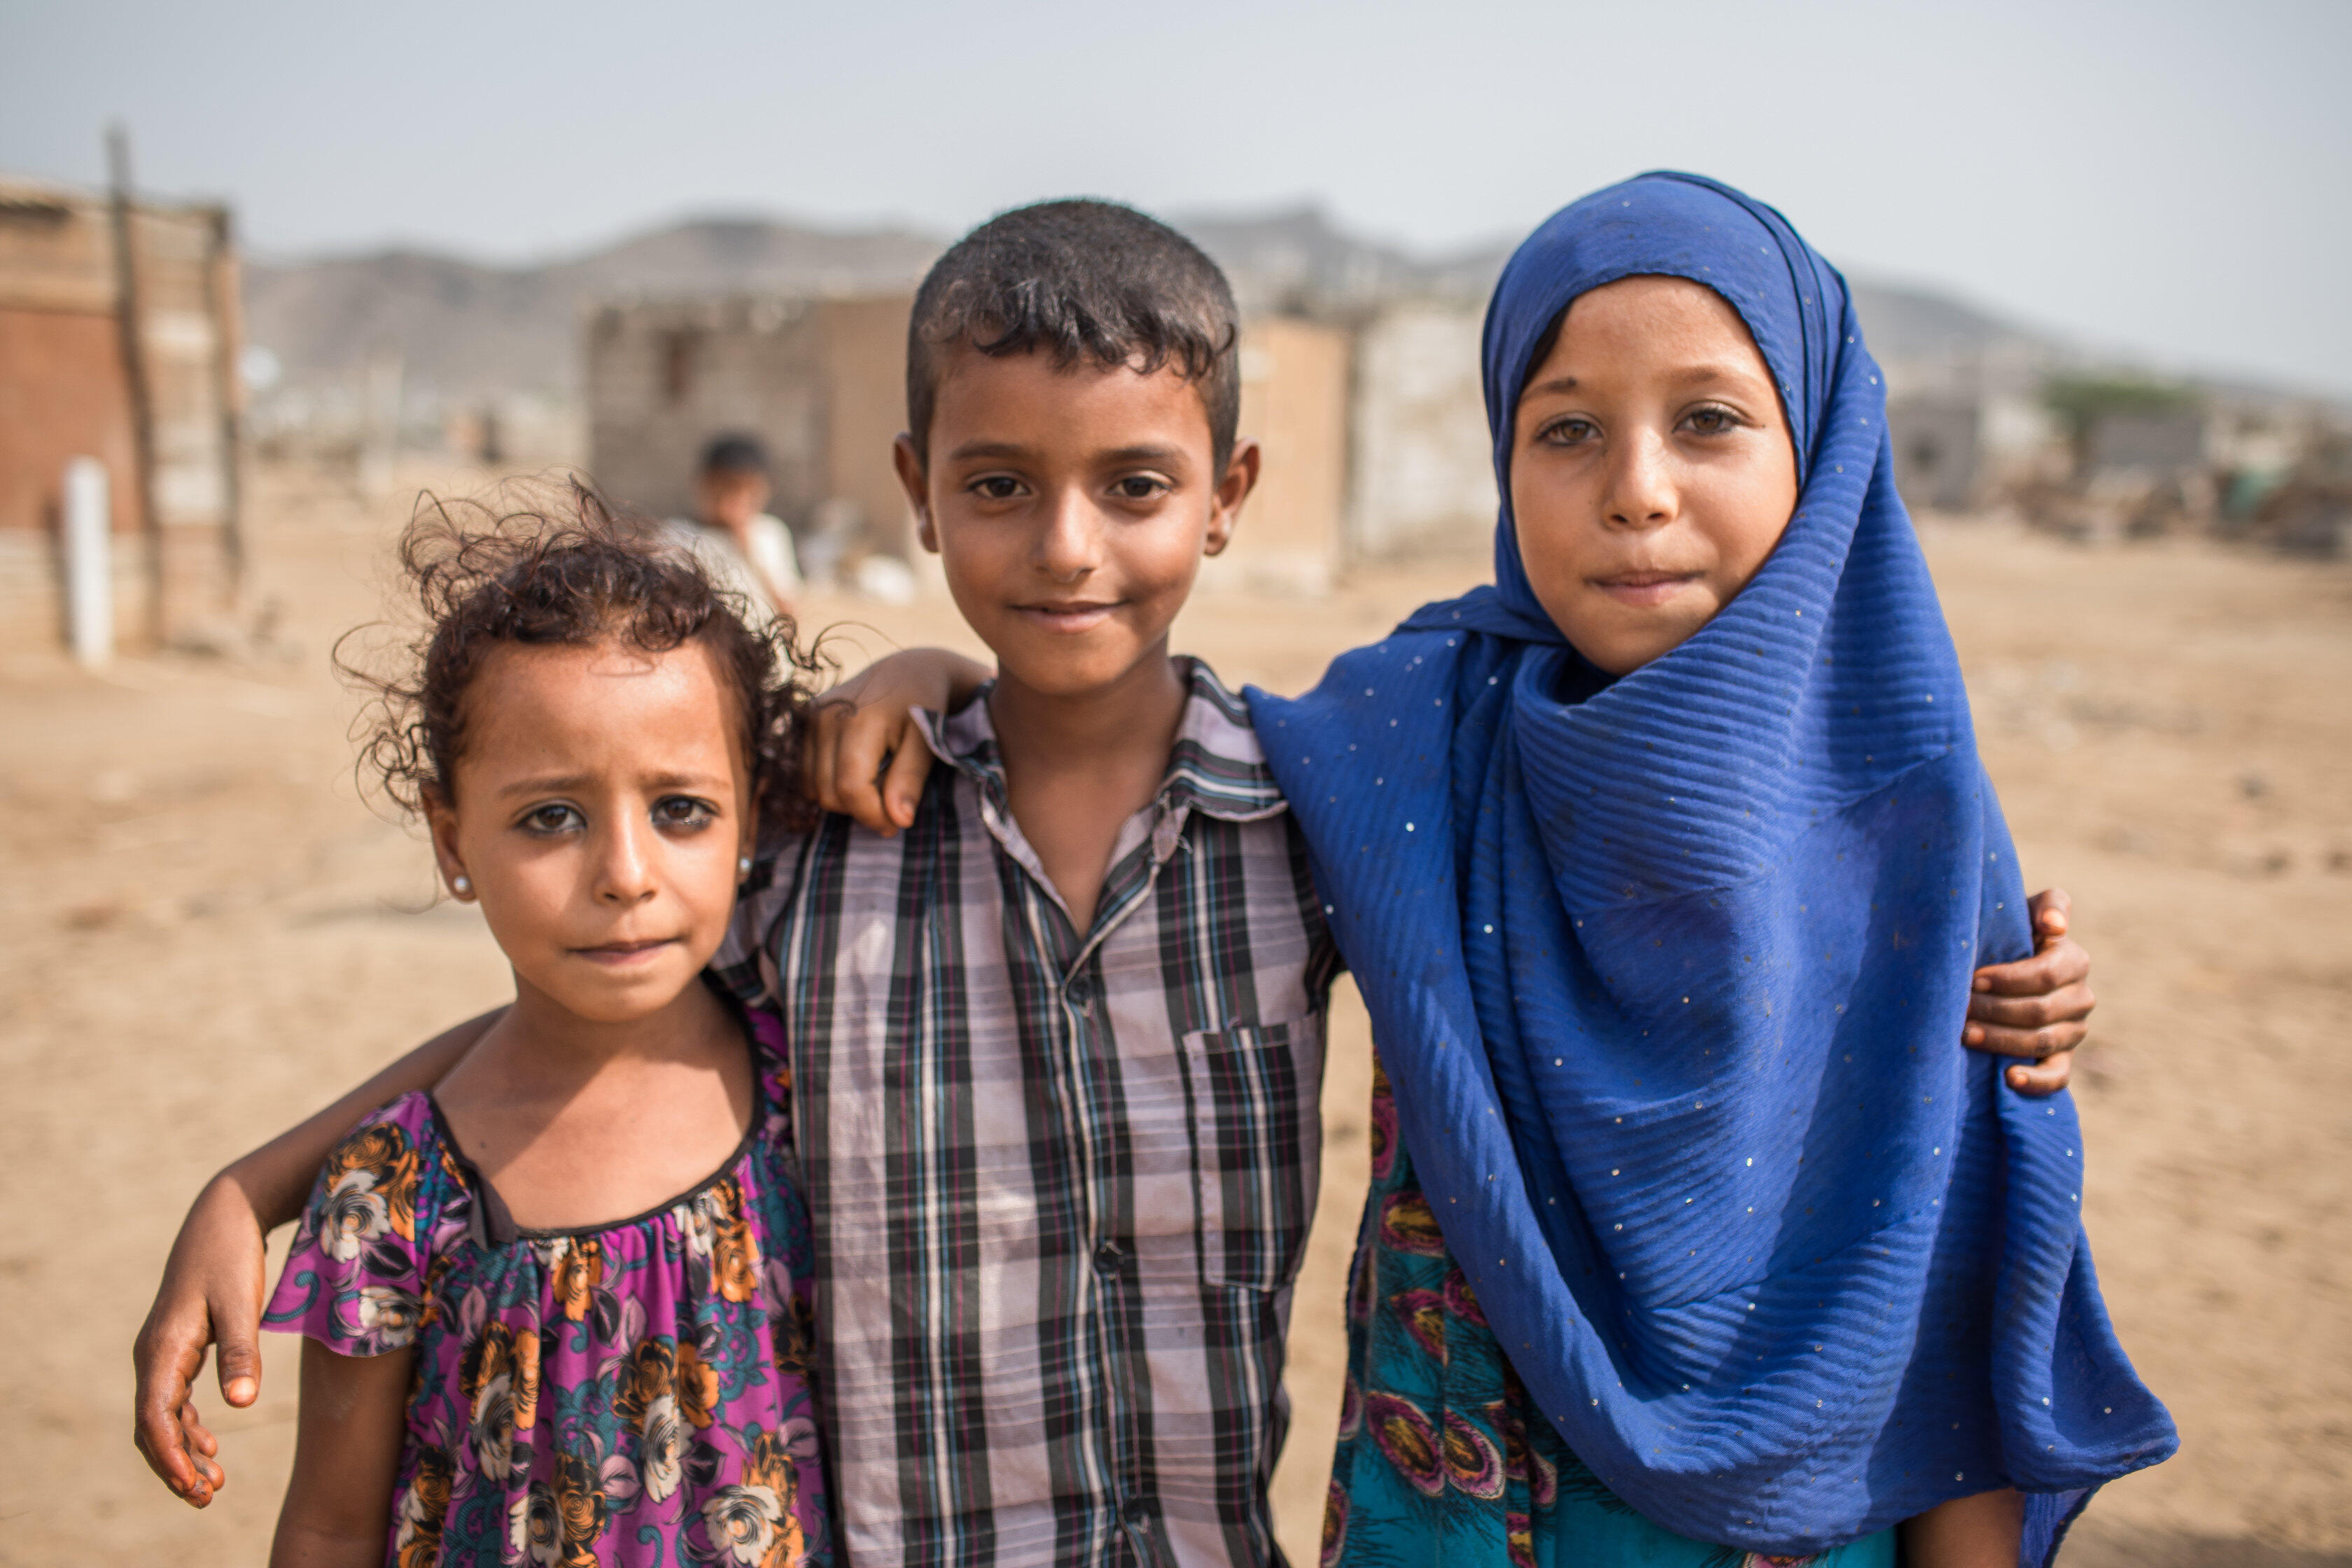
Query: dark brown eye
x,y
997,487
555,817
683,811
1712,421
1140,487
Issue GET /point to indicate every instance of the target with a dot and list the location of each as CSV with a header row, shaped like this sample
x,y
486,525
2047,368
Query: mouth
x,y
1067,616
626,954
1644,590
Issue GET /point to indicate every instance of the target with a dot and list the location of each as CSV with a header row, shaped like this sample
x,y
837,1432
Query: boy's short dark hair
x,y
735,455
1080,280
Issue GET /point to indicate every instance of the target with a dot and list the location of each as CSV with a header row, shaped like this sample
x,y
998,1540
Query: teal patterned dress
x,y
1442,1462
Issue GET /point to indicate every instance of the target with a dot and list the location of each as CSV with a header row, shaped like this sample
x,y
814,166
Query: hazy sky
x,y
2172,177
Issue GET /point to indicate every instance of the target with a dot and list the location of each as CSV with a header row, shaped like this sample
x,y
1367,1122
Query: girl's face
x,y
1652,472
600,807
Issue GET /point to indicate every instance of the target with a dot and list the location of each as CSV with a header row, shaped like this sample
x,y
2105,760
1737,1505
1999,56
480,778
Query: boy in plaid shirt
x,y
1059,1042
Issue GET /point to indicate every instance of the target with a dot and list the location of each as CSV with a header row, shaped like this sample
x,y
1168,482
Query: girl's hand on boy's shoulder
x,y
864,756
2035,1008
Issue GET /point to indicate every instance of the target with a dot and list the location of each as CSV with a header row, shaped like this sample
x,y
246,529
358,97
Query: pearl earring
x,y
462,885
742,865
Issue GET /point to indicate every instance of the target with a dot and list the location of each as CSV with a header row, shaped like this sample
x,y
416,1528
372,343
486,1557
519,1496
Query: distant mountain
x,y
1908,322
463,329
468,331
1297,260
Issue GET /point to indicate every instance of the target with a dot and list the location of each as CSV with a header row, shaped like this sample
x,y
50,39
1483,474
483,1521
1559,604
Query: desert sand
x,y
205,931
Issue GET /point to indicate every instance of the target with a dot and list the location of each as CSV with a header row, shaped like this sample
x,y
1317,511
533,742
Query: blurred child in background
x,y
744,548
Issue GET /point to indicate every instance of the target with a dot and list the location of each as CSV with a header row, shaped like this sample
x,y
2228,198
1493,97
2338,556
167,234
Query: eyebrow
x,y
1149,452
1690,375
970,449
562,784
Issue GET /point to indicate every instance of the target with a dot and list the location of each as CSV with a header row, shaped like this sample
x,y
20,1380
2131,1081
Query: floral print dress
x,y
1442,1462
630,1393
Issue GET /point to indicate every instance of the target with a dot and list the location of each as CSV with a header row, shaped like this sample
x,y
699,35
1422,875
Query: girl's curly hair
x,y
560,566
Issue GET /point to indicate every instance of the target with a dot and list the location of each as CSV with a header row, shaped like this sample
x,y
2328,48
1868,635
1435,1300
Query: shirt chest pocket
x,y
1257,1144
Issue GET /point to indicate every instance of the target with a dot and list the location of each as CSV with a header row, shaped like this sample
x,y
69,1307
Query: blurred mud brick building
x,y
1421,467
1292,538
119,342
820,382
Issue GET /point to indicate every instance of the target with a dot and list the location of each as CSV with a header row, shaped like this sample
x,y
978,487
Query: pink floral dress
x,y
629,1394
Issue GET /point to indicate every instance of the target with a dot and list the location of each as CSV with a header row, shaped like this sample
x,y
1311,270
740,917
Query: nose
x,y
1642,492
1069,549
624,861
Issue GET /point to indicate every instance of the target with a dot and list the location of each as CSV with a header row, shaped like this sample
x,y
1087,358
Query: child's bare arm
x,y
2035,1008
347,1442
868,719
1979,1532
213,1288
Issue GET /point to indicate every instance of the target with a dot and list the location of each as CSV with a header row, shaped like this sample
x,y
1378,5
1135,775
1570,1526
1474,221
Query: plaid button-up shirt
x,y
1061,1180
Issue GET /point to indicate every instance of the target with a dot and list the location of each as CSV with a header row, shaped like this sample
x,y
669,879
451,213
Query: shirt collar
x,y
1216,766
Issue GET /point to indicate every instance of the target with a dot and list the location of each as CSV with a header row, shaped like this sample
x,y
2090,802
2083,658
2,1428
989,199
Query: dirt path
x,y
205,932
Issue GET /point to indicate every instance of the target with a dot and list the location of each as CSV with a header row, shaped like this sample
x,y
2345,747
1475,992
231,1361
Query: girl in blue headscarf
x,y
1664,865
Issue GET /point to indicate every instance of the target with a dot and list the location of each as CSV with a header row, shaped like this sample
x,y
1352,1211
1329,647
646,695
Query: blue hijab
x,y
1668,974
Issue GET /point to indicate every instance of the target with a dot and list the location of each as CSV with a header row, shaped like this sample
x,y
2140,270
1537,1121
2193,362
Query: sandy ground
x,y
203,931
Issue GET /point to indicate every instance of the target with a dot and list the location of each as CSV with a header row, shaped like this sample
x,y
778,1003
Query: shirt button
x,y
1138,1512
1081,992
1108,1258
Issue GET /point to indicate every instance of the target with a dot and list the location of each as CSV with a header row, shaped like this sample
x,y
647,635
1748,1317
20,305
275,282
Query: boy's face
x,y
1652,472
1071,507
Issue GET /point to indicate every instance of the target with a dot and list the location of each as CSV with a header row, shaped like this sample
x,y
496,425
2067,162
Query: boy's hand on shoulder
x,y
864,756
2035,1008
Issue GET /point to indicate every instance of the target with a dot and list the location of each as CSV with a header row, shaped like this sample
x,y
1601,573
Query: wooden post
x,y
221,274
135,371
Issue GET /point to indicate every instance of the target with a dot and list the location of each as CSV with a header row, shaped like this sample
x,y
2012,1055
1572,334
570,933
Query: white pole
x,y
89,563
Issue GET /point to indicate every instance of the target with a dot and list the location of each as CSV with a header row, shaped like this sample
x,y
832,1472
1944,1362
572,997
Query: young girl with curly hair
x,y
555,1308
